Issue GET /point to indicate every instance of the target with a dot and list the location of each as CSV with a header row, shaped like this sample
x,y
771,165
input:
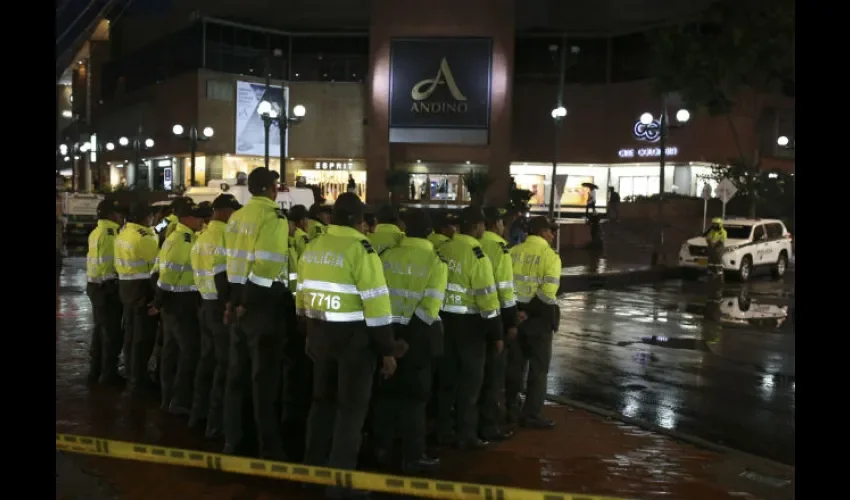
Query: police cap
x,y
493,214
297,213
139,211
442,220
316,209
261,179
417,223
225,201
108,207
188,208
539,223
471,215
387,214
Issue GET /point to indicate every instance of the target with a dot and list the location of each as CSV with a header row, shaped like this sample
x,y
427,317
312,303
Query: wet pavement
x,y
714,362
584,454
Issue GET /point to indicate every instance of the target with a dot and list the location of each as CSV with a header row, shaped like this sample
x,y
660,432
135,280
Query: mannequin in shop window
x,y
352,186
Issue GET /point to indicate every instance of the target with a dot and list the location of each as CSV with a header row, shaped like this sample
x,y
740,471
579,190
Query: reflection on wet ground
x,y
715,362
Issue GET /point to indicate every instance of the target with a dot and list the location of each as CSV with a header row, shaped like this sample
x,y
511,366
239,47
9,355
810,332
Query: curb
x,y
678,436
587,282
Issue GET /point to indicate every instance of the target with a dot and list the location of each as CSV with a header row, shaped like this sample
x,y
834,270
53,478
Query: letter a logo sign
x,y
423,89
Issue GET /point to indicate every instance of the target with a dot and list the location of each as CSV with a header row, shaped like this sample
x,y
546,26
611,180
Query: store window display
x,y
333,183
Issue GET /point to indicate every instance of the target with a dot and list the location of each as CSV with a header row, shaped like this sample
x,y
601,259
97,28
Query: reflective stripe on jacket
x,y
175,266
100,259
496,249
256,243
537,271
341,279
385,236
207,258
471,287
417,280
136,249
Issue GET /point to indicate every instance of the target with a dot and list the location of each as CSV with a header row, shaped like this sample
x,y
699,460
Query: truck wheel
x,y
781,266
746,268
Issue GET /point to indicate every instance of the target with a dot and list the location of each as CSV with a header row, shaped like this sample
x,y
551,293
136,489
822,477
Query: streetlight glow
x,y
782,140
646,118
67,114
299,111
208,132
110,146
63,149
559,112
85,147
683,115
123,141
67,159
264,108
149,143
177,129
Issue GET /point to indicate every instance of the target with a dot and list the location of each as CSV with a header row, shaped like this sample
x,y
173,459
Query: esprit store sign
x,y
647,152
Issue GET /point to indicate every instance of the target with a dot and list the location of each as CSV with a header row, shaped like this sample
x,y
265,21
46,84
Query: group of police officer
x,y
324,319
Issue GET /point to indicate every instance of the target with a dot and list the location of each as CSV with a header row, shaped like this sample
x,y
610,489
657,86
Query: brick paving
x,y
584,454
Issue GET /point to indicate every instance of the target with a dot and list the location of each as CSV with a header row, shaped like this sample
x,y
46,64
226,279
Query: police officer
x,y
319,216
537,276
343,296
257,248
445,227
715,238
472,324
171,218
416,277
178,300
102,289
136,249
388,232
297,367
209,269
370,222
493,391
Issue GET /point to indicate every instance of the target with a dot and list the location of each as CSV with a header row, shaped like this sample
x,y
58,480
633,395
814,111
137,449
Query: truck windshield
x,y
738,232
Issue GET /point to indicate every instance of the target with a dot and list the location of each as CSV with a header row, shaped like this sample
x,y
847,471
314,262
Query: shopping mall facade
x,y
436,92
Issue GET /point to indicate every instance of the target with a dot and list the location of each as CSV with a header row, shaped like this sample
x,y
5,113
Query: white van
x,y
285,199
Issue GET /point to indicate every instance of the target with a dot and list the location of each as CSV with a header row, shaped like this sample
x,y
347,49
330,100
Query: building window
x,y
630,58
534,61
219,91
639,186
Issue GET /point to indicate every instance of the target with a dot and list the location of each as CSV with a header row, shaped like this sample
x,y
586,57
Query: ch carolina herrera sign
x,y
440,83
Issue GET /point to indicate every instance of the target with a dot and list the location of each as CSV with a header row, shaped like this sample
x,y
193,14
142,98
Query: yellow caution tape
x,y
416,486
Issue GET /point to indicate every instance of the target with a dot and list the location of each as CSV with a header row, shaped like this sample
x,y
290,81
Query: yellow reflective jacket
x,y
438,240
417,279
100,260
315,228
208,259
537,271
175,263
341,280
257,245
136,249
385,236
496,249
471,287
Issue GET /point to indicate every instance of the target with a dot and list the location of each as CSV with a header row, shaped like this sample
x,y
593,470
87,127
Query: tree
x,y
728,59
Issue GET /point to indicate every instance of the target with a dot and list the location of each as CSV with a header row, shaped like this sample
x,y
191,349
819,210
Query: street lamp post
x,y
790,144
269,114
193,137
664,124
137,144
558,115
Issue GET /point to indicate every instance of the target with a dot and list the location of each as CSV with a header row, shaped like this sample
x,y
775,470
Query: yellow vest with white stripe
x,y
341,279
537,271
471,287
257,244
100,260
417,278
136,249
496,249
175,266
207,257
385,236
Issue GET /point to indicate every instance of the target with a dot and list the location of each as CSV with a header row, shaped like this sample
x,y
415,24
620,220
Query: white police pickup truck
x,y
751,244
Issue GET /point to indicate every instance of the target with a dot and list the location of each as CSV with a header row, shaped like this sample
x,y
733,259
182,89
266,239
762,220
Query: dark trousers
x,y
401,400
343,371
460,376
107,336
212,366
297,387
139,328
533,345
181,349
492,404
256,351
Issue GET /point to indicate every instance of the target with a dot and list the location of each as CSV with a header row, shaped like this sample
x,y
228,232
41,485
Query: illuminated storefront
x,y
332,176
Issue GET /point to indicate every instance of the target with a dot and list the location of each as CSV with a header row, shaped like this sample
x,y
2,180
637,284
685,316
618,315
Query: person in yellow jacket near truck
x,y
715,239
537,276
472,325
493,391
416,278
344,301
210,274
257,249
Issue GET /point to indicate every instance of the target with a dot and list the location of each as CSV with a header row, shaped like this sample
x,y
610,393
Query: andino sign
x,y
440,83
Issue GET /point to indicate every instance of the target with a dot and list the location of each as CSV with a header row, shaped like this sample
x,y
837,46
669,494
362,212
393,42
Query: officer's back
x,y
388,232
